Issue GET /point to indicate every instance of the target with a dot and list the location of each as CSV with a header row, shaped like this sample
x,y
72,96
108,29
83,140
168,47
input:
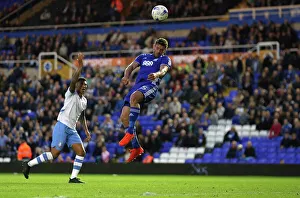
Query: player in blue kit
x,y
65,129
152,68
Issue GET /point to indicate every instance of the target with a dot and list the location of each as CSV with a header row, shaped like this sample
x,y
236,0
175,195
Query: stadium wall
x,y
165,169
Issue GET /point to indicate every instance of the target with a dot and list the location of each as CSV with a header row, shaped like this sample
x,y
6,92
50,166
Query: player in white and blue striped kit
x,y
65,129
152,68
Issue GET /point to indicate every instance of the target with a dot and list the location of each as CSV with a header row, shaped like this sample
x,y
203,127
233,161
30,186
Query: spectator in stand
x,y
286,127
229,111
182,139
191,140
165,135
275,129
175,106
266,121
108,123
294,142
232,152
231,135
105,155
155,143
285,142
24,151
98,151
249,151
296,128
201,138
3,143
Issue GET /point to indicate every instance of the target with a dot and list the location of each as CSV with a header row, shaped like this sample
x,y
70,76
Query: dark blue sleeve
x,y
166,61
138,59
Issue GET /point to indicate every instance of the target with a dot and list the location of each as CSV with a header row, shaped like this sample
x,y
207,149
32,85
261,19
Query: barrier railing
x,y
119,53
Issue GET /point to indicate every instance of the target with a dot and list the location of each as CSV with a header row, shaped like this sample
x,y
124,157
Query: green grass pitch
x,y
55,185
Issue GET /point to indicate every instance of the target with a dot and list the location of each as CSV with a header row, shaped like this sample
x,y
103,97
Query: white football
x,y
159,13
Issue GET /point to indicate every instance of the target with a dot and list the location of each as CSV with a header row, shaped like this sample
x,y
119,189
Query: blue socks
x,y
135,142
133,115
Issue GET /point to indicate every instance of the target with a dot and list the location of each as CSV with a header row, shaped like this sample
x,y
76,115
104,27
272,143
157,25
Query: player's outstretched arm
x,y
161,73
128,71
85,128
77,72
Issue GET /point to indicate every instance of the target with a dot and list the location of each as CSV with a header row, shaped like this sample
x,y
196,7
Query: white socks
x,y
77,166
40,159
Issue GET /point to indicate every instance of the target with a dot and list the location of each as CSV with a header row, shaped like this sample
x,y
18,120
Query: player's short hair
x,y
81,79
162,42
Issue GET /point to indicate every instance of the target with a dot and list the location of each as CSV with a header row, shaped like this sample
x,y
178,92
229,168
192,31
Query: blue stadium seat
x,y
91,147
281,155
271,156
168,144
190,161
233,94
111,145
112,151
165,149
216,160
217,155
236,119
290,155
224,161
233,161
121,160
252,161
291,150
272,149
217,150
207,156
207,160
120,150
262,161
156,155
174,139
289,161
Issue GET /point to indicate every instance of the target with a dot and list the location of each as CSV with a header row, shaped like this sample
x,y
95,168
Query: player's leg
x,y
134,112
125,121
58,141
74,140
125,115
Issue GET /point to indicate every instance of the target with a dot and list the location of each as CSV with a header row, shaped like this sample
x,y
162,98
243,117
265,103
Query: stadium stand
x,y
259,98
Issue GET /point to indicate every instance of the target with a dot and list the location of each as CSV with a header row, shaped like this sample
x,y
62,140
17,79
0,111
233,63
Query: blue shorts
x,y
149,91
63,134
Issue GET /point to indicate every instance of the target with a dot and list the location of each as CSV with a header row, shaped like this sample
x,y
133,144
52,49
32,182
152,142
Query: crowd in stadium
x,y
29,47
190,98
87,11
29,107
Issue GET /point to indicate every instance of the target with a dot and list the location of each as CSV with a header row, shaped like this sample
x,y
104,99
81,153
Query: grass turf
x,y
55,185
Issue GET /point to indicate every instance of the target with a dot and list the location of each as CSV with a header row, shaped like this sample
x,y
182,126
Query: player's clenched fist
x,y
152,76
125,80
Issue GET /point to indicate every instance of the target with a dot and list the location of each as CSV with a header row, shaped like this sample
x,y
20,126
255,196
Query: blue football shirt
x,y
150,64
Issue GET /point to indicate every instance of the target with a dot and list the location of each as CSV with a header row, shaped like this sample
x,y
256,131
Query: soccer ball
x,y
159,13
